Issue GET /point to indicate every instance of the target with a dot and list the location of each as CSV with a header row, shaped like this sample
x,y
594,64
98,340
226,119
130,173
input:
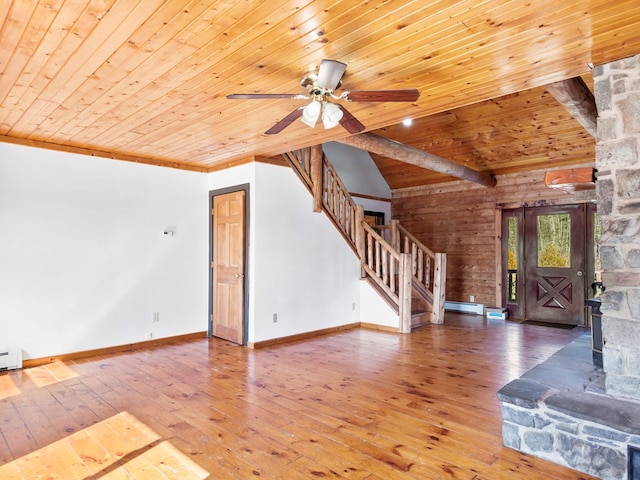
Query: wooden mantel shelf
x,y
571,180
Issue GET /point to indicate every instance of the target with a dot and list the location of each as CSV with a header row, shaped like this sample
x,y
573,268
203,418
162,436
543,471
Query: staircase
x,y
398,266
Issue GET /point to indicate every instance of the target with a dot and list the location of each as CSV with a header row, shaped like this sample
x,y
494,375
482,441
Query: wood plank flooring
x,y
359,404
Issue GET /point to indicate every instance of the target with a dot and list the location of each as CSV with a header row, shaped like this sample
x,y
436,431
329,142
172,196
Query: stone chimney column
x,y
617,93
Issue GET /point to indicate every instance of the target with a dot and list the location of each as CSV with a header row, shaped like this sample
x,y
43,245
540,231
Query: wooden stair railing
x,y
390,270
428,269
395,264
329,193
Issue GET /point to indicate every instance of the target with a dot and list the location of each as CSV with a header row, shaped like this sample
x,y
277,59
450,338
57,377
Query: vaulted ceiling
x,y
147,80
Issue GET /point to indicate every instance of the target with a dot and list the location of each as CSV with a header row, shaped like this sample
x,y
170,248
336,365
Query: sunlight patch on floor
x,y
50,373
8,388
118,447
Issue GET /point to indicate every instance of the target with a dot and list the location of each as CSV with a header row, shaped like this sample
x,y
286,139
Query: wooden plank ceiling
x,y
147,80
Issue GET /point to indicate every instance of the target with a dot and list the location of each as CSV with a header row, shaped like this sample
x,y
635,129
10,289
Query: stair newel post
x,y
317,177
394,234
404,293
439,282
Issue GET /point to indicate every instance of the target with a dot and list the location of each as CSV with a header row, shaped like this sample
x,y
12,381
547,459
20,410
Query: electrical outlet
x,y
472,298
149,336
156,317
275,318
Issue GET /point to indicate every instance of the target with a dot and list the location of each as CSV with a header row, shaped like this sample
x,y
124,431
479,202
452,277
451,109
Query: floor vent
x,y
10,359
464,307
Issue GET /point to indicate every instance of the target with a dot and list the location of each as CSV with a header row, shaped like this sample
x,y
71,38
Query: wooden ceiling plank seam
x,y
81,63
17,16
163,93
67,95
201,116
381,29
206,120
40,18
100,84
476,120
160,135
22,91
455,30
302,55
5,8
168,72
71,93
169,67
384,37
370,27
70,21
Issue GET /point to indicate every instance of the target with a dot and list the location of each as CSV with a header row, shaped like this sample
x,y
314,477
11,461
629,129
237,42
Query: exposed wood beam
x,y
574,95
404,153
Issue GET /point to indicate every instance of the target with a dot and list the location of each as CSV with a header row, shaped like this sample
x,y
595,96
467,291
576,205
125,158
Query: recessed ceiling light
x,y
407,122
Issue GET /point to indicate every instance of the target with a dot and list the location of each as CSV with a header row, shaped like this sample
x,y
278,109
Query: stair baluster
x,y
393,259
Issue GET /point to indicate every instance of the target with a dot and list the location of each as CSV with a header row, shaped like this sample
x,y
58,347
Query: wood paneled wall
x,y
463,220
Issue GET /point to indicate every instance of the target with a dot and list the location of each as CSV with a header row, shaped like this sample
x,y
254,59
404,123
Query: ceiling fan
x,y
320,89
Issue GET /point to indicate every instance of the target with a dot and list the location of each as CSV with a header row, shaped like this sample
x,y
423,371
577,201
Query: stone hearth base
x,y
559,411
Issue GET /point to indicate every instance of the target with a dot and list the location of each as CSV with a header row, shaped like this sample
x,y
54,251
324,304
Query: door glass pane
x,y
512,259
554,240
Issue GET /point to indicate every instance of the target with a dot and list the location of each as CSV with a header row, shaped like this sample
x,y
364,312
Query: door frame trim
x,y
589,209
245,306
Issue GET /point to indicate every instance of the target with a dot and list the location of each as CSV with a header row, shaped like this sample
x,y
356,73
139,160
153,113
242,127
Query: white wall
x,y
304,270
82,261
374,309
357,170
83,264
300,267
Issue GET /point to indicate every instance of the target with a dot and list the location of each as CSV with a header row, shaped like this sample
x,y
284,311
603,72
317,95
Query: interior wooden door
x,y
555,264
227,316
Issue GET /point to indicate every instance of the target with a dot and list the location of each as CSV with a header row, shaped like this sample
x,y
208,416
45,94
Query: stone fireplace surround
x,y
565,410
559,411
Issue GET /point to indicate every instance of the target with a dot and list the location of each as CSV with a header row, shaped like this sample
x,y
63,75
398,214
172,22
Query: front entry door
x,y
555,264
227,316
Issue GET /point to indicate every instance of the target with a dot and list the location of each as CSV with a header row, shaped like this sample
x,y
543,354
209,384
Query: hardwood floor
x,y
358,404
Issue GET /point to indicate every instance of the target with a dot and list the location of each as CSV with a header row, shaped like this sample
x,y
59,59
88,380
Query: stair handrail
x,y
388,269
423,258
428,268
382,259
338,204
301,160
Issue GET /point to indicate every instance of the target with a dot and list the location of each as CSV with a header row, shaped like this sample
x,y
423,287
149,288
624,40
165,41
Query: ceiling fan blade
x,y
408,95
350,123
285,122
330,73
261,96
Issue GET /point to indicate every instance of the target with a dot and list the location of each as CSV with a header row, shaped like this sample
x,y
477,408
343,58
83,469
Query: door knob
x,y
579,273
240,275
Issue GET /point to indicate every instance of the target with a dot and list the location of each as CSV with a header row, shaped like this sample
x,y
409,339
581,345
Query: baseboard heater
x,y
10,359
464,307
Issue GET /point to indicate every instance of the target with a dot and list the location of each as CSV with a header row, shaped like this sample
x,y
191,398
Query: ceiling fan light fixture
x,y
311,113
331,115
